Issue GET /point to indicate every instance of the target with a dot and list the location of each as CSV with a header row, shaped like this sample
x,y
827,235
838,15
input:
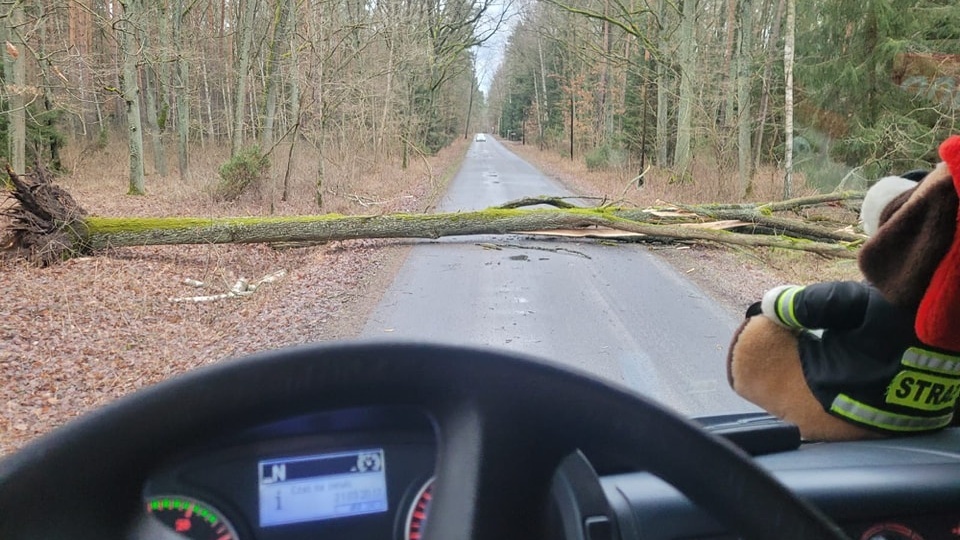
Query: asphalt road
x,y
614,310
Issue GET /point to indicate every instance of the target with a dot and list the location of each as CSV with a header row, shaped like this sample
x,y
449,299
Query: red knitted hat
x,y
938,318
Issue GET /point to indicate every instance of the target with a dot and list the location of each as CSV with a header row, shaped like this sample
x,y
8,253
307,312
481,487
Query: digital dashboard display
x,y
322,486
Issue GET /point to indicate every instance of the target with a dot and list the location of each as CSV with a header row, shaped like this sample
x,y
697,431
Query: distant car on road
x,y
480,137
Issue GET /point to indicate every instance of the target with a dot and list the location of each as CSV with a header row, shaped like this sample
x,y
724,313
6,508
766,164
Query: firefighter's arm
x,y
840,305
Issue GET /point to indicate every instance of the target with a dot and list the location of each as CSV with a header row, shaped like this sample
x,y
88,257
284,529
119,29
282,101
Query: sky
x,y
489,56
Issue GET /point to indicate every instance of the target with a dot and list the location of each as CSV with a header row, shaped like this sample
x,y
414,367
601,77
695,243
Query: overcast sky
x,y
490,54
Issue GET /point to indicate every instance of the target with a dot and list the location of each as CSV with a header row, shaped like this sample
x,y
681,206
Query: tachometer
x,y
191,518
417,516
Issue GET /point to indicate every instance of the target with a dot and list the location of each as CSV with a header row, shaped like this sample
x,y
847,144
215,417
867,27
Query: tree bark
x,y
154,98
793,227
663,88
249,8
744,102
605,105
788,98
47,226
771,55
103,232
294,96
208,99
13,67
545,116
727,74
181,89
280,21
319,89
131,94
682,152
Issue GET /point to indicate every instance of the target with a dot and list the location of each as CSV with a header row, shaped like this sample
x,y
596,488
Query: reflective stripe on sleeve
x,y
786,310
931,361
848,407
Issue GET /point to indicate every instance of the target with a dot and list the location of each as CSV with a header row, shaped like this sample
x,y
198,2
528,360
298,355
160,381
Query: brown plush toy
x,y
852,360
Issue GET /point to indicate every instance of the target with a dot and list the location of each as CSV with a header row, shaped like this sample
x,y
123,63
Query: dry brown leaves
x,y
85,332
80,334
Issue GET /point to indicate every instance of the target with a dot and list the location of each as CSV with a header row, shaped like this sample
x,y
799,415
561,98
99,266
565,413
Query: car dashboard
x,y
359,473
366,473
902,488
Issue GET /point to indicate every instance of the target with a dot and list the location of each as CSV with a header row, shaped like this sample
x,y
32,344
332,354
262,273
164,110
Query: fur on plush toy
x,y
853,360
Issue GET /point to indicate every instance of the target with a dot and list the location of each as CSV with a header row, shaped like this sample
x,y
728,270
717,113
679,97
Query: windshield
x,y
461,137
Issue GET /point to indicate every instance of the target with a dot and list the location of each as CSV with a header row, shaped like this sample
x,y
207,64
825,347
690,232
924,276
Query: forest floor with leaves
x,y
82,333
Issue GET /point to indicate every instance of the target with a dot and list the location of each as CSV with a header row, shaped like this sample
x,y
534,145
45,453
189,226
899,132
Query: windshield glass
x,y
172,152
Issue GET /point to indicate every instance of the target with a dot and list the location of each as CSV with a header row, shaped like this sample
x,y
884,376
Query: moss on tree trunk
x,y
48,226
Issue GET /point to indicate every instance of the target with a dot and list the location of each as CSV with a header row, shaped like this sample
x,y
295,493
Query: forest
x,y
272,81
839,92
702,87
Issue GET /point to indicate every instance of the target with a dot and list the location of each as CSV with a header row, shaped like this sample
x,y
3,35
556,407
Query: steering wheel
x,y
503,423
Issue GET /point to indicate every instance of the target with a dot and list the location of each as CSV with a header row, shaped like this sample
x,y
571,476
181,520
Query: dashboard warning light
x,y
182,525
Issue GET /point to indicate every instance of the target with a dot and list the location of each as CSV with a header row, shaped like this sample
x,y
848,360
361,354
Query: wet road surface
x,y
614,310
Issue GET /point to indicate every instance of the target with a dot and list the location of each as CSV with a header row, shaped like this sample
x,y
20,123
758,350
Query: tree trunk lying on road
x,y
46,229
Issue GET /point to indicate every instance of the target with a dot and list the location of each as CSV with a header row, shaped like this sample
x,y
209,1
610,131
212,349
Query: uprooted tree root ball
x,y
45,222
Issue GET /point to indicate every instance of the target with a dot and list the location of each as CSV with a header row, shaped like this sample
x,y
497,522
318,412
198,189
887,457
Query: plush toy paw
x,y
763,367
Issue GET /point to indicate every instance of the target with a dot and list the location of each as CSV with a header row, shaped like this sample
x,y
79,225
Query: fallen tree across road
x,y
48,226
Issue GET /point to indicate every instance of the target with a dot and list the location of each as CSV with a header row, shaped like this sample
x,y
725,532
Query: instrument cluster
x,y
367,484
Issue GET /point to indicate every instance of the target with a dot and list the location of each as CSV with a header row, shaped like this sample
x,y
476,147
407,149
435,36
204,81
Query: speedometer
x,y
191,518
890,531
417,516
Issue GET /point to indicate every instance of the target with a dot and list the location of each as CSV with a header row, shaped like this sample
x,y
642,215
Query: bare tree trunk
x,y
545,117
536,106
208,98
273,71
663,88
294,62
744,82
682,153
388,92
248,9
131,93
765,93
156,136
182,101
294,95
55,143
77,32
727,73
317,36
154,76
604,129
788,98
466,127
285,193
13,68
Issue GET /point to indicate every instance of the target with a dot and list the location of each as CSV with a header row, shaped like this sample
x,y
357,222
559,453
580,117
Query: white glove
x,y
769,304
